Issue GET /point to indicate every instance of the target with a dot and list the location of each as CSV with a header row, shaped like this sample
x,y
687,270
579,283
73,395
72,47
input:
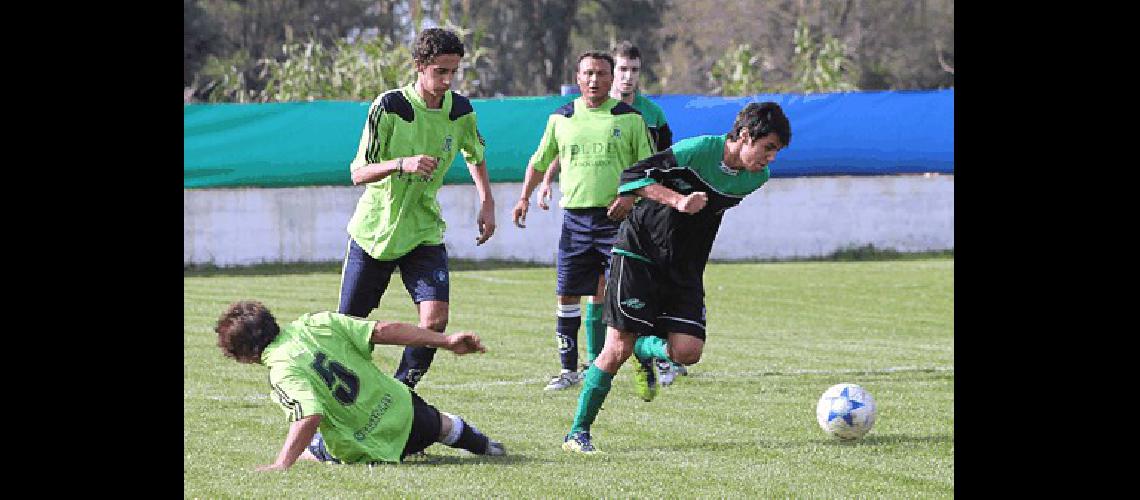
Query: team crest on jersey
x,y
617,132
447,143
726,169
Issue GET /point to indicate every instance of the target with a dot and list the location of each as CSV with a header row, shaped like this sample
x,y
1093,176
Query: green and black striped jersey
x,y
660,233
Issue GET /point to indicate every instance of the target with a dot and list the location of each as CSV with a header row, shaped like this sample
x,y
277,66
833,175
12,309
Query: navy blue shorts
x,y
424,433
364,279
584,250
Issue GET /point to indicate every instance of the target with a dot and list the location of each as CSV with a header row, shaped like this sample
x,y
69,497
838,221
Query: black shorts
x,y
424,433
646,299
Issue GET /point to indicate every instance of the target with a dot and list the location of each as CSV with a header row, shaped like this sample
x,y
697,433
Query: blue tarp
x,y
299,144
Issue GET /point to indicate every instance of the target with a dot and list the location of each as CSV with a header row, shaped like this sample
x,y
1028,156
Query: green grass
x,y
742,425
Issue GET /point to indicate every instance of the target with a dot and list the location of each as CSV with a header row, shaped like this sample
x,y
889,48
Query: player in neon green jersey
x,y
411,136
655,290
322,375
627,73
594,137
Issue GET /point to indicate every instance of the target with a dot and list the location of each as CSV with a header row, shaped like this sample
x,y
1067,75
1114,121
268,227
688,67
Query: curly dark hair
x,y
626,49
762,119
435,41
594,54
244,329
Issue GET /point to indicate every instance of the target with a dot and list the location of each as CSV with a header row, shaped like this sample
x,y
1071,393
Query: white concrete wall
x,y
796,217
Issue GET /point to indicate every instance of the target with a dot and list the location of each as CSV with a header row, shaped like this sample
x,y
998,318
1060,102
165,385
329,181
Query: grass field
x,y
742,425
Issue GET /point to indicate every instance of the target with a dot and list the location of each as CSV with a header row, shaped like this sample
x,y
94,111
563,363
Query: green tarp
x,y
312,143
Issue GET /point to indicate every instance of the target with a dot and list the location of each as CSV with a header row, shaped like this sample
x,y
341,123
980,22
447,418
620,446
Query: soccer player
x,y
656,280
409,141
322,375
627,74
594,138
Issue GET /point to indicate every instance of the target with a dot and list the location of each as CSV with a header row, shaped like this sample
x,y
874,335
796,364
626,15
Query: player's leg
x,y
594,326
604,235
633,296
595,387
429,425
574,280
569,318
683,316
362,282
425,273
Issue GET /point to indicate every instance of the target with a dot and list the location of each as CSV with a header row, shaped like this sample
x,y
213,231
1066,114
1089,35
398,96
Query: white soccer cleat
x,y
563,380
665,372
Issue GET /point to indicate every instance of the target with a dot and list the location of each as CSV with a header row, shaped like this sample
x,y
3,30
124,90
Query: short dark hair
x,y
626,49
596,55
244,329
436,41
761,119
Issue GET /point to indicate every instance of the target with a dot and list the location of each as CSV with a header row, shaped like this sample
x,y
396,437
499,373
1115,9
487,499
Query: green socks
x,y
595,331
650,346
594,390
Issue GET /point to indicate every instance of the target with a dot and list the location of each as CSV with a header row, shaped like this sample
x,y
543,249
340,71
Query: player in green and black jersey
x,y
411,136
323,377
655,290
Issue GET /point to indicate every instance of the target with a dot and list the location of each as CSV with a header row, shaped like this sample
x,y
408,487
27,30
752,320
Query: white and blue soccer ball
x,y
846,411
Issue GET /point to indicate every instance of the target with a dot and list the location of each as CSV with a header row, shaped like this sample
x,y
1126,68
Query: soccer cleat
x,y
495,449
665,372
563,380
646,379
680,369
579,442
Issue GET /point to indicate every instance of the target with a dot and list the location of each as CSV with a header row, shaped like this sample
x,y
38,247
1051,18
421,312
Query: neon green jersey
x,y
593,146
401,212
321,364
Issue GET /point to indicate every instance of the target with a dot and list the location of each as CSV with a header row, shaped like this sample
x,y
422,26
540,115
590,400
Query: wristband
x,y
400,166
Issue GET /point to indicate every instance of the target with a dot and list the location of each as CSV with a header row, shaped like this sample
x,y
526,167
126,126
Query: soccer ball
x,y
846,411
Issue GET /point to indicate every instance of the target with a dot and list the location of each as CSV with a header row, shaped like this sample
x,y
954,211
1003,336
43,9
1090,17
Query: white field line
x,y
699,374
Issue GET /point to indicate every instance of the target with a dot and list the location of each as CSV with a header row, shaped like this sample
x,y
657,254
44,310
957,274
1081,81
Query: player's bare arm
x,y
620,207
486,218
690,204
420,165
396,333
300,434
545,192
530,180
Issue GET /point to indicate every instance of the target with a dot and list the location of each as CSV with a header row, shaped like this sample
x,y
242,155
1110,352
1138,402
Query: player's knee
x,y
687,357
613,355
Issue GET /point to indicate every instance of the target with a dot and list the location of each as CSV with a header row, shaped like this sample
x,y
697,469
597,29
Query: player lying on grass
x,y
322,375
654,302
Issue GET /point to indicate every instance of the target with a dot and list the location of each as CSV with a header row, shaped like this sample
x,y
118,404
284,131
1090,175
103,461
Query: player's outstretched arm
x,y
300,435
396,333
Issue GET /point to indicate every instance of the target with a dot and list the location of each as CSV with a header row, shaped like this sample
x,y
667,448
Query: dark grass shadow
x,y
430,459
281,269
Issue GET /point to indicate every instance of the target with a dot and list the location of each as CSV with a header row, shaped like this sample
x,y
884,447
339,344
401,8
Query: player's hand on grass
x,y
692,203
519,213
485,223
544,194
421,165
620,208
464,343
